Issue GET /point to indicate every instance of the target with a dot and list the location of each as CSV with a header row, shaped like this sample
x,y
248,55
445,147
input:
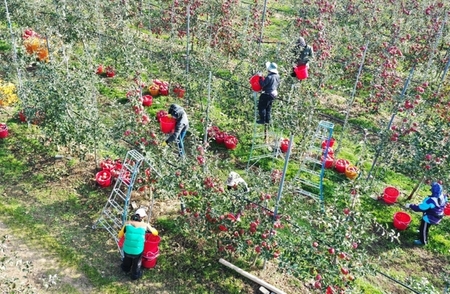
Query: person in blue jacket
x,y
433,211
269,87
181,127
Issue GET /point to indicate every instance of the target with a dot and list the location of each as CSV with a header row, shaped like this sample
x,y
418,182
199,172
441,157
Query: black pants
x,y
265,107
133,262
423,231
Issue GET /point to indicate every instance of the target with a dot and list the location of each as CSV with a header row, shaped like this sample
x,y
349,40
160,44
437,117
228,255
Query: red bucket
x,y
167,124
220,137
230,142
103,178
328,161
254,82
3,131
149,259
151,243
147,100
390,195
284,145
447,210
301,72
331,143
341,165
401,220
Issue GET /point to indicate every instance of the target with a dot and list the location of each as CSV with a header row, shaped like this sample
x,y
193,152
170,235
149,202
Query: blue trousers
x,y
181,142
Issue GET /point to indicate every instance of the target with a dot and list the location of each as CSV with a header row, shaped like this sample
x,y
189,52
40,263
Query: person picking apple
x,y
269,86
303,53
181,127
235,181
433,211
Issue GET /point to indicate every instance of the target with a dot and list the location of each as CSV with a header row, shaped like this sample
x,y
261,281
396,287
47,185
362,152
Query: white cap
x,y
141,212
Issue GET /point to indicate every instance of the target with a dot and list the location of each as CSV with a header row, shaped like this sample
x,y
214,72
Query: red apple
x,y
331,250
317,285
344,271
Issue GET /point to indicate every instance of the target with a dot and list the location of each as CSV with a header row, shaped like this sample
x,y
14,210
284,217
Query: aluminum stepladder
x,y
114,213
271,141
310,175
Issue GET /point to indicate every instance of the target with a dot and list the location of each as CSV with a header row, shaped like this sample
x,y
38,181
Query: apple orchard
x,y
96,77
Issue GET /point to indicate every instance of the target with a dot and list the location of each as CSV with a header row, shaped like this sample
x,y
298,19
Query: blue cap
x,y
436,189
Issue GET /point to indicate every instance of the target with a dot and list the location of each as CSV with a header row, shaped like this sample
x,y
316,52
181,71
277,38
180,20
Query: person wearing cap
x,y
303,53
234,181
133,246
432,208
181,127
269,86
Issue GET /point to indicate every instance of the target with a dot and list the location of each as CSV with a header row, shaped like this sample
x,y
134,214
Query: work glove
x,y
153,231
407,205
164,144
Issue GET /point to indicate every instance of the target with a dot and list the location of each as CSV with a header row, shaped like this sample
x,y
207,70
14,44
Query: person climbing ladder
x,y
269,86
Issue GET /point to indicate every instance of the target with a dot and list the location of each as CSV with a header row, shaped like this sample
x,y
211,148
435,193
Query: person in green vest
x,y
133,245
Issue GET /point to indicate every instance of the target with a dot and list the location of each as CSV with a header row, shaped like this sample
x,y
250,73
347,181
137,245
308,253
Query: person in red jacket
x,y
432,208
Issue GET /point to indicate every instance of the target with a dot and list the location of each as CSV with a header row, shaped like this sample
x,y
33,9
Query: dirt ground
x,y
44,274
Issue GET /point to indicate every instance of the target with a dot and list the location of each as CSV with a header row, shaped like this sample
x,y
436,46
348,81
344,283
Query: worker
x,y
181,127
133,245
303,53
269,86
235,181
433,211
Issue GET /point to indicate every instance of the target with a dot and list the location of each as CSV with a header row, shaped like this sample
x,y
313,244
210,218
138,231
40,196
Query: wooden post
x,y
251,277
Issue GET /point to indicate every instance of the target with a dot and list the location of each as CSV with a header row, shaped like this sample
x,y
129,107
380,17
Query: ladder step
x,y
309,183
312,160
120,193
136,155
312,172
115,205
307,193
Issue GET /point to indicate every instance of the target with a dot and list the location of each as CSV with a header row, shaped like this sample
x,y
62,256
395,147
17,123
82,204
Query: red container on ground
x,y
401,220
328,161
151,250
3,131
390,195
341,165
103,178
